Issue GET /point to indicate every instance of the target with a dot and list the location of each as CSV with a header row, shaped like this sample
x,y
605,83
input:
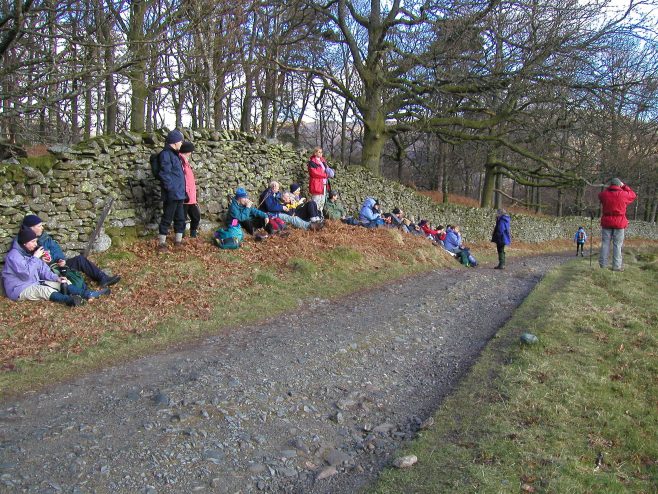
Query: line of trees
x,y
536,102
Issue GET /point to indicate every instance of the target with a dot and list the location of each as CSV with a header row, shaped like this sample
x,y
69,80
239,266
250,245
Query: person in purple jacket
x,y
501,236
26,276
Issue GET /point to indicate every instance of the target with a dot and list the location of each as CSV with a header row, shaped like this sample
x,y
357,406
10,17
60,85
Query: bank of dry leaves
x,y
156,287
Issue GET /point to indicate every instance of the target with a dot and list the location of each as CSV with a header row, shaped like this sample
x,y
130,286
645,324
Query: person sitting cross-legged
x,y
26,276
54,255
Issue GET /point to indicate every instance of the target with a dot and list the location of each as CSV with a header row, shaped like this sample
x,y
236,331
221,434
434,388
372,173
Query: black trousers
x,y
254,224
172,210
84,265
307,210
193,212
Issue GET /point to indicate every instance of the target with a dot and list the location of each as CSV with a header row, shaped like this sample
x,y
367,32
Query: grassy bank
x,y
576,412
171,299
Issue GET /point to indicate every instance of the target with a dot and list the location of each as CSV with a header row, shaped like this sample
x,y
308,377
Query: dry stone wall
x,y
69,188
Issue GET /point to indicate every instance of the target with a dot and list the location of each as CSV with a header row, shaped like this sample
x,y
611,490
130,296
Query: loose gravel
x,y
315,401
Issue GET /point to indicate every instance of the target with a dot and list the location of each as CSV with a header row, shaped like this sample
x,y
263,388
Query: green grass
x,y
535,418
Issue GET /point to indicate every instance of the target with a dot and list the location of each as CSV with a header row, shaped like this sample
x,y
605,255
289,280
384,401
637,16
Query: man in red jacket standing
x,y
614,201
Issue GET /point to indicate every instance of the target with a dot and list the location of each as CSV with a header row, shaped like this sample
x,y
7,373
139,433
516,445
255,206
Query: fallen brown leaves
x,y
180,284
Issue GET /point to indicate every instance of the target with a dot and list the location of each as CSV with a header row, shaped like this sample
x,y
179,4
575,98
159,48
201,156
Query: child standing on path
x,y
580,238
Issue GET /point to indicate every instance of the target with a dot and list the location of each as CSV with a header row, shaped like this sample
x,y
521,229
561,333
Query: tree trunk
x,y
560,203
498,196
374,133
489,180
137,73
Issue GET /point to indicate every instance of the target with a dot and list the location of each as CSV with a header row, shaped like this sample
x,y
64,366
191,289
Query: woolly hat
x,y
186,147
174,136
294,187
501,212
422,223
25,235
31,220
396,211
616,181
240,193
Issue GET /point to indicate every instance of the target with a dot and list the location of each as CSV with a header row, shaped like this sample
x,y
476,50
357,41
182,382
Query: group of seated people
x,y
371,216
36,269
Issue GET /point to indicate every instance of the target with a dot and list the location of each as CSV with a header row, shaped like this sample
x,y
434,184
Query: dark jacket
x,y
501,234
172,177
50,244
270,202
614,201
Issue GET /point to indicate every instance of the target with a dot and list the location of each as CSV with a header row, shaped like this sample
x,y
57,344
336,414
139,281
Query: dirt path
x,y
315,401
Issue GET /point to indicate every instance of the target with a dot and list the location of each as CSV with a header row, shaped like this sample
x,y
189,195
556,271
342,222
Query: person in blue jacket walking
x,y
501,236
580,238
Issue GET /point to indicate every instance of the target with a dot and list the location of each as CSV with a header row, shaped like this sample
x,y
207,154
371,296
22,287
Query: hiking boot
x,y
178,245
163,248
194,234
500,266
618,270
110,280
316,225
76,301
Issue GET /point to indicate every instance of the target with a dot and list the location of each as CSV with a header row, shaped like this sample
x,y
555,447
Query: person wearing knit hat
x,y
190,206
174,137
172,190
53,254
501,236
614,201
25,275
249,217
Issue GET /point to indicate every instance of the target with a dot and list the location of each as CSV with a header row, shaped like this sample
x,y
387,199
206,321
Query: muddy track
x,y
317,400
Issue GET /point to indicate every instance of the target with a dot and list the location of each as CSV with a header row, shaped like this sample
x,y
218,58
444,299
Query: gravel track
x,y
314,401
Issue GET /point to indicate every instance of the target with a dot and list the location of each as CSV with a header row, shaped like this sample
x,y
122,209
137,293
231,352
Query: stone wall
x,y
69,188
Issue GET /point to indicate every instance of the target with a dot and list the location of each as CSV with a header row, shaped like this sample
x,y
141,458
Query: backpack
x,y
229,238
581,237
75,277
154,160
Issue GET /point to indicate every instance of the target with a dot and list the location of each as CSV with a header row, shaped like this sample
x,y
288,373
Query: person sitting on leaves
x,y
54,255
271,202
369,215
308,211
27,277
249,217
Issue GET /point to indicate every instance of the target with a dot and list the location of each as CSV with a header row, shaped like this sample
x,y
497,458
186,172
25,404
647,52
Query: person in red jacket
x,y
319,175
614,201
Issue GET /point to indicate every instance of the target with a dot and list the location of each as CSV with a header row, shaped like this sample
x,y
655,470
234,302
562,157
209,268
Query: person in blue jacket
x,y
501,236
580,238
172,187
453,239
369,214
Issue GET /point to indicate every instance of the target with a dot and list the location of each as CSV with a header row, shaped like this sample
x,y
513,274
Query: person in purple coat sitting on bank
x,y
26,276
